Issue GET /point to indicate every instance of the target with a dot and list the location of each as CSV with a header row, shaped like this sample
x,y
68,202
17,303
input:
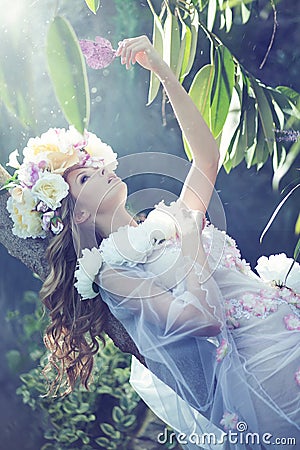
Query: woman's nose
x,y
101,171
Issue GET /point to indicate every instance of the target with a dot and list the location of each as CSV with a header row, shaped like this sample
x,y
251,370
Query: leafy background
x,y
120,116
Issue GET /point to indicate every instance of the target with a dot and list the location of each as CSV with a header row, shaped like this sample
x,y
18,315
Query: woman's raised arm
x,y
200,181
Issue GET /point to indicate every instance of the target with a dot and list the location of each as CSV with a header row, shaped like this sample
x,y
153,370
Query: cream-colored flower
x,y
27,222
17,193
276,267
51,189
95,147
55,148
88,267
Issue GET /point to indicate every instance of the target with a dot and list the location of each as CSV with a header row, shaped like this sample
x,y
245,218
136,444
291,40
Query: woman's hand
x,y
140,50
189,223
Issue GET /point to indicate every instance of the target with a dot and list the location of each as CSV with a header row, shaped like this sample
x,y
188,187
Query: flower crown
x,y
37,186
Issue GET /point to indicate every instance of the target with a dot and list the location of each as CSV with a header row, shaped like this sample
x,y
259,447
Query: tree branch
x,y
31,253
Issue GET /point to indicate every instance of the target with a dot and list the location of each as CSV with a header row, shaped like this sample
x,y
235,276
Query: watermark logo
x,y
240,435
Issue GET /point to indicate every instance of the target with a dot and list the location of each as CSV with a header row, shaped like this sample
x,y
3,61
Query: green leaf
x,y
202,4
276,212
291,156
200,94
13,358
297,226
129,420
68,73
200,90
231,124
261,151
102,441
297,248
83,436
290,93
250,122
171,41
194,42
107,428
117,414
230,160
265,116
93,5
104,389
211,14
222,89
228,18
185,48
245,13
158,43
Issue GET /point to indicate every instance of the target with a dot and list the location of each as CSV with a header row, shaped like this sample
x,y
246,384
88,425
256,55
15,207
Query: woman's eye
x,y
84,178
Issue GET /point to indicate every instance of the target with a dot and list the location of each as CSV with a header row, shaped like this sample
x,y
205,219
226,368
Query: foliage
x,y
108,416
243,114
68,73
247,117
297,225
93,5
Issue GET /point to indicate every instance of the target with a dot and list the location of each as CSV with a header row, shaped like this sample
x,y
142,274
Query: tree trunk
x,y
31,252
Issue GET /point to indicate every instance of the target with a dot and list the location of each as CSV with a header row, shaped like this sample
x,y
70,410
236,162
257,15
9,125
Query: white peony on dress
x,y
239,389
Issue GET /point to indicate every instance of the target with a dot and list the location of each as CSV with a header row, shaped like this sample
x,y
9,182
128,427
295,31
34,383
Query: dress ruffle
x,y
245,374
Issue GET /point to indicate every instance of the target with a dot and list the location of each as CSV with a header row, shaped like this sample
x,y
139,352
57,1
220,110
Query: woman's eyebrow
x,y
78,175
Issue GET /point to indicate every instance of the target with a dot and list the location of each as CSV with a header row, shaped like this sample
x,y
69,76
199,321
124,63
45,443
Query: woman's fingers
x,y
129,48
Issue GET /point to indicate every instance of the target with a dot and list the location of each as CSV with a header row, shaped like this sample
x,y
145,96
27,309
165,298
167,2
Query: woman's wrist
x,y
164,73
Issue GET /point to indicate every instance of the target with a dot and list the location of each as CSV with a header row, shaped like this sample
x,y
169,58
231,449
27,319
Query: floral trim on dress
x,y
229,420
262,304
223,251
222,350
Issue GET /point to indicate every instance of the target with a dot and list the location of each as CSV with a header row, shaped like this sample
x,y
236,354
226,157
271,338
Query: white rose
x,y
84,285
129,245
276,267
159,225
51,189
76,139
97,148
91,261
27,221
88,267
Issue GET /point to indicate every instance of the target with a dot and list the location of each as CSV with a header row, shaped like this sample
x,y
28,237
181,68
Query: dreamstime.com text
x,y
232,437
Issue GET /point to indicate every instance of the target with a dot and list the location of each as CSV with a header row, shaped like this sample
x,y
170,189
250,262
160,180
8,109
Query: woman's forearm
x,y
203,146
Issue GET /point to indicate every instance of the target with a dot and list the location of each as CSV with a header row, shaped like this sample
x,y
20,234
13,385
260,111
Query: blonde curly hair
x,y
75,332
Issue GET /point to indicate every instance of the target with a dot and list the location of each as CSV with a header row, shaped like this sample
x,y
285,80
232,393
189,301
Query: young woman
x,y
220,344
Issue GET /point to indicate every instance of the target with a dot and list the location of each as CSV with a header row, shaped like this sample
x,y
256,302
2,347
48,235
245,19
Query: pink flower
x,y
99,53
248,301
222,350
259,308
269,304
46,220
292,322
297,377
229,420
42,207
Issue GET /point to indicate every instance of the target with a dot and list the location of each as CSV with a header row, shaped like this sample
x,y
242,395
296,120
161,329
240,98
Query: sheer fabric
x,y
224,353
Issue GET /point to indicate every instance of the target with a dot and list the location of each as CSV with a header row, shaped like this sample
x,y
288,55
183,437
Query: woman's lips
x,y
114,178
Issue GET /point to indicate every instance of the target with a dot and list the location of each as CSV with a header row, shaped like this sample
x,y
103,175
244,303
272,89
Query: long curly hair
x,y
75,331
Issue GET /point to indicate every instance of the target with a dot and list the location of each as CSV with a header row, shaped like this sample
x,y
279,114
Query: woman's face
x,y
98,191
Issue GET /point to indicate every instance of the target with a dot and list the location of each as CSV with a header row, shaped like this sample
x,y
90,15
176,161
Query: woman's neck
x,y
108,223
